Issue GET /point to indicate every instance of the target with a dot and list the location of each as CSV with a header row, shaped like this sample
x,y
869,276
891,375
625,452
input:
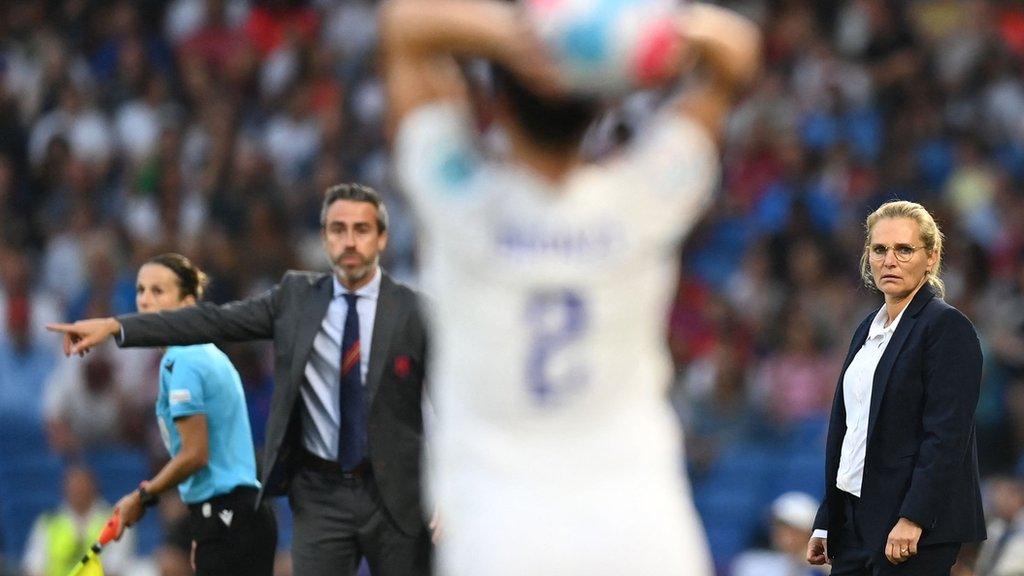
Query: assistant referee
x,y
204,424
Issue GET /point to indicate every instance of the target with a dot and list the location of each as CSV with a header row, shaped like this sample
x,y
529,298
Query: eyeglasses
x,y
902,252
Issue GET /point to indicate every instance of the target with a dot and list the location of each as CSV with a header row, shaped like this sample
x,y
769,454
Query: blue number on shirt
x,y
557,320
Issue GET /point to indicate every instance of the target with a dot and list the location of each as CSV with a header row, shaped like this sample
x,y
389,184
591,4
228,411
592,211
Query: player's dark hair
x,y
191,280
554,124
356,193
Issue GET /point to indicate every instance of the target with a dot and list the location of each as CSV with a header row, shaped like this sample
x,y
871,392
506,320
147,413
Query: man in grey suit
x,y
345,433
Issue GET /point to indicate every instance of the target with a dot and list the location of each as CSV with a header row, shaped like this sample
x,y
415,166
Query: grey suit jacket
x,y
290,314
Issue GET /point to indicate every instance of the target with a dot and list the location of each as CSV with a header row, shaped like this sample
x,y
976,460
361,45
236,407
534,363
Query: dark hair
x,y
356,193
554,124
191,280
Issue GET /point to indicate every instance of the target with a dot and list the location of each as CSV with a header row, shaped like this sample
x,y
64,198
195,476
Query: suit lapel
x,y
858,341
311,315
837,423
892,351
384,325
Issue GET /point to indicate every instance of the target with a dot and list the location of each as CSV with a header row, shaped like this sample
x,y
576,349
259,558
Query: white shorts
x,y
595,528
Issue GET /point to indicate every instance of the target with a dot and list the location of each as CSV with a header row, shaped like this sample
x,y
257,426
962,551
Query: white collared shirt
x,y
321,390
857,384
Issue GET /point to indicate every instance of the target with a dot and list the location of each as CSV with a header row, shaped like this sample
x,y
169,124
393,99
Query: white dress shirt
x,y
321,390
857,383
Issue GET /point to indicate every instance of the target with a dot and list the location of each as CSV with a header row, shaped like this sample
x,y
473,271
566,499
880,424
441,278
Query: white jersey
x,y
549,364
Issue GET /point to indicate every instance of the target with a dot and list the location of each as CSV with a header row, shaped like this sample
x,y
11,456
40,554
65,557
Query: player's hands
x,y
902,541
82,336
732,42
131,510
523,52
817,551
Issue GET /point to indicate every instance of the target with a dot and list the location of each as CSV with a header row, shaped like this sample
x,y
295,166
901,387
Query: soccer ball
x,y
607,47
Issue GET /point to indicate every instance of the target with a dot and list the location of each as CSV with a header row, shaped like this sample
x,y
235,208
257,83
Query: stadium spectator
x,y
107,286
94,402
60,538
716,405
792,519
26,360
1003,553
794,382
76,118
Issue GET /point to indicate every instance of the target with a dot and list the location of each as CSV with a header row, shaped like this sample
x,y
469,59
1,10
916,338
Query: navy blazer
x,y
921,458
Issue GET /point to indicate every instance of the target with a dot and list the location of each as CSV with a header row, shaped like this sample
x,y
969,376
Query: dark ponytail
x,y
191,279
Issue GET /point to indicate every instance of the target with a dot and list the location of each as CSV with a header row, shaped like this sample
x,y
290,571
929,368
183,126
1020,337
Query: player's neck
x,y
551,165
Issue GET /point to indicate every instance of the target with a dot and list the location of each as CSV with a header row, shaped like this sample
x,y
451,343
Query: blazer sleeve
x,y
821,518
250,319
952,382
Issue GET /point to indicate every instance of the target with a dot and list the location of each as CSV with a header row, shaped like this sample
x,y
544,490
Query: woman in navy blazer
x,y
902,488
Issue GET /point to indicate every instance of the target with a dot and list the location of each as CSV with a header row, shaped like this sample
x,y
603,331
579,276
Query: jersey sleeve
x,y
672,170
436,158
185,392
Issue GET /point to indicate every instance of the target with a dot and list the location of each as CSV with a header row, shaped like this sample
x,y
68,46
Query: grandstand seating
x,y
734,495
31,482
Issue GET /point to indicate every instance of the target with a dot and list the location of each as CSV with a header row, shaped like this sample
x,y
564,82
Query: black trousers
x,y
339,520
232,536
853,558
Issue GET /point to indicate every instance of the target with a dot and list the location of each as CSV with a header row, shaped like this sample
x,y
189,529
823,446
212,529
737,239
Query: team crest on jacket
x,y
403,366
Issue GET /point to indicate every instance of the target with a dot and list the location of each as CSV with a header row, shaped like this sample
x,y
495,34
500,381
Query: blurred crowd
x,y
211,127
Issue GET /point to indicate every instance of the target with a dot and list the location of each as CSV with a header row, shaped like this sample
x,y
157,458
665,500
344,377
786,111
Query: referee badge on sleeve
x,y
179,397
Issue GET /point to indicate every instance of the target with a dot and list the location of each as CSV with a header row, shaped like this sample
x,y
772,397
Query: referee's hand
x,y
129,507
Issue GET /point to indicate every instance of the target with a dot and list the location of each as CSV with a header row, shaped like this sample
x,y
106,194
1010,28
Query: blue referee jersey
x,y
201,380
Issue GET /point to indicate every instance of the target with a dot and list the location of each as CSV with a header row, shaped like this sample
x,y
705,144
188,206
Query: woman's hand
x,y
817,551
902,541
131,510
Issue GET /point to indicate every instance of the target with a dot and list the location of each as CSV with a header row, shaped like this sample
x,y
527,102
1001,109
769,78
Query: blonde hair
x,y
930,235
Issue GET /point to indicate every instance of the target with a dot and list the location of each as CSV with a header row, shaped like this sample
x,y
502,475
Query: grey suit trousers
x,y
339,521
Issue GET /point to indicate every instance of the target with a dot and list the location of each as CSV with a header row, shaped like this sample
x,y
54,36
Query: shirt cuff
x,y
819,533
119,339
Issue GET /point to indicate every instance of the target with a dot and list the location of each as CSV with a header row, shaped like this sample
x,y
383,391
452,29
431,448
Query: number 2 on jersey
x,y
556,320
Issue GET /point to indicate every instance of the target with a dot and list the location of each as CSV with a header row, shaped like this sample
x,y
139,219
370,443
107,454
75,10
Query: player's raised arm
x,y
728,47
421,38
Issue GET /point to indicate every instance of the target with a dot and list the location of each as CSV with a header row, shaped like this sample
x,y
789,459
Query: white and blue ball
x,y
608,47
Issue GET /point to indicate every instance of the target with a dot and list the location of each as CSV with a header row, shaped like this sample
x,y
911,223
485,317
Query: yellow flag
x,y
89,566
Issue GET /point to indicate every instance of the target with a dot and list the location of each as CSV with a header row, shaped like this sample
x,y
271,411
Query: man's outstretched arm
x,y
251,319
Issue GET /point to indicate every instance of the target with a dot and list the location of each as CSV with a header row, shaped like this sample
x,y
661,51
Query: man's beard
x,y
359,272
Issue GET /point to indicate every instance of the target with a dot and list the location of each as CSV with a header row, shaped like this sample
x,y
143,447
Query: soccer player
x,y
555,450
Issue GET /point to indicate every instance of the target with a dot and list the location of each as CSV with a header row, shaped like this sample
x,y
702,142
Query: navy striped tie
x,y
352,435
